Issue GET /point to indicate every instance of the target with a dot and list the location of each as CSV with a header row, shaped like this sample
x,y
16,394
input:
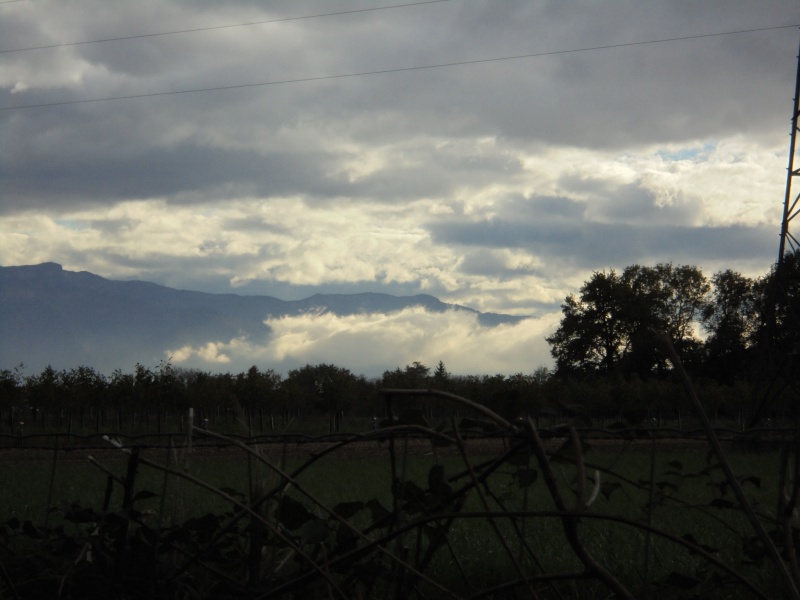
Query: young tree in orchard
x,y
256,389
327,387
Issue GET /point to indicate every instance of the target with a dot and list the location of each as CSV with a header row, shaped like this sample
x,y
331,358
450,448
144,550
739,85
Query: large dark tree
x,y
609,327
778,299
731,319
594,331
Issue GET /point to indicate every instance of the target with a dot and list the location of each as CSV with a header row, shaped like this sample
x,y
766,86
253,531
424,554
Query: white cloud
x,y
370,344
348,184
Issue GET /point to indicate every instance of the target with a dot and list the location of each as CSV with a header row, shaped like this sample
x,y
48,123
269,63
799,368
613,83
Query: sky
x,y
492,153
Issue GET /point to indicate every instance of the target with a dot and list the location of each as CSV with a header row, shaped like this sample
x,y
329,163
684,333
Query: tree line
x,y
721,327
605,351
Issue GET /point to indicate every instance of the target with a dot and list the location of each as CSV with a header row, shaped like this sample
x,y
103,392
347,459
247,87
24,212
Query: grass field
x,y
687,497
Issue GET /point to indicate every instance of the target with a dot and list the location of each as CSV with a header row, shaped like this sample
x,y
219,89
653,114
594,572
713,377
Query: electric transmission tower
x,y
780,349
790,207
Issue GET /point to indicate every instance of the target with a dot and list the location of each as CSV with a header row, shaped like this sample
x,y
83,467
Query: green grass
x,y
684,493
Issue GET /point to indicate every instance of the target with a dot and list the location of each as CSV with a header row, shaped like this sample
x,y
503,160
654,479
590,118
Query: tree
x,y
327,387
778,301
441,376
594,331
609,327
11,386
663,298
256,389
731,319
43,389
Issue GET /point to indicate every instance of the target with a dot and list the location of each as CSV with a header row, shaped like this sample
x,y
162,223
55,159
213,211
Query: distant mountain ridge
x,y
67,318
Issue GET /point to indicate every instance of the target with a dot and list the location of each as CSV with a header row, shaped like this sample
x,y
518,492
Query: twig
x,y
300,488
6,576
286,539
586,515
762,535
569,519
485,504
465,401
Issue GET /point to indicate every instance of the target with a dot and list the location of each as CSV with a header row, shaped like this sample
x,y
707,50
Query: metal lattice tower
x,y
779,364
791,208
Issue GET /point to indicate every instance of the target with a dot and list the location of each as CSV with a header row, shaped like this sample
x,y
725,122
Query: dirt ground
x,y
352,449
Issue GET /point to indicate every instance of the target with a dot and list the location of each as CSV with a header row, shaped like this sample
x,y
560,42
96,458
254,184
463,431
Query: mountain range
x,y
67,319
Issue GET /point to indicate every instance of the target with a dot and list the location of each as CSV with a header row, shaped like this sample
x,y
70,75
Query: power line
x,y
212,28
394,70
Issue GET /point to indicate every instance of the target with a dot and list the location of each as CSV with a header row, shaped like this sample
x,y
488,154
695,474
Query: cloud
x,y
498,185
371,344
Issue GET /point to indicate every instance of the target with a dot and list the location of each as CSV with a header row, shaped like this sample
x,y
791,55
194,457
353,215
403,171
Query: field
x,y
401,512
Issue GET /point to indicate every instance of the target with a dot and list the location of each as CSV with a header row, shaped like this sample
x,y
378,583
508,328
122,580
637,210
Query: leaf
x,y
204,526
691,539
662,485
346,538
292,514
720,503
609,488
78,514
682,581
708,469
675,464
13,523
348,509
436,477
379,513
412,494
526,477
29,529
150,536
437,484
315,531
144,495
232,492
756,481
521,458
754,549
179,534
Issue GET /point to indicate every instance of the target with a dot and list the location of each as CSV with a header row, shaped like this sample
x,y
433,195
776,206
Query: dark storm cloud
x,y
418,134
602,99
140,173
618,226
587,245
